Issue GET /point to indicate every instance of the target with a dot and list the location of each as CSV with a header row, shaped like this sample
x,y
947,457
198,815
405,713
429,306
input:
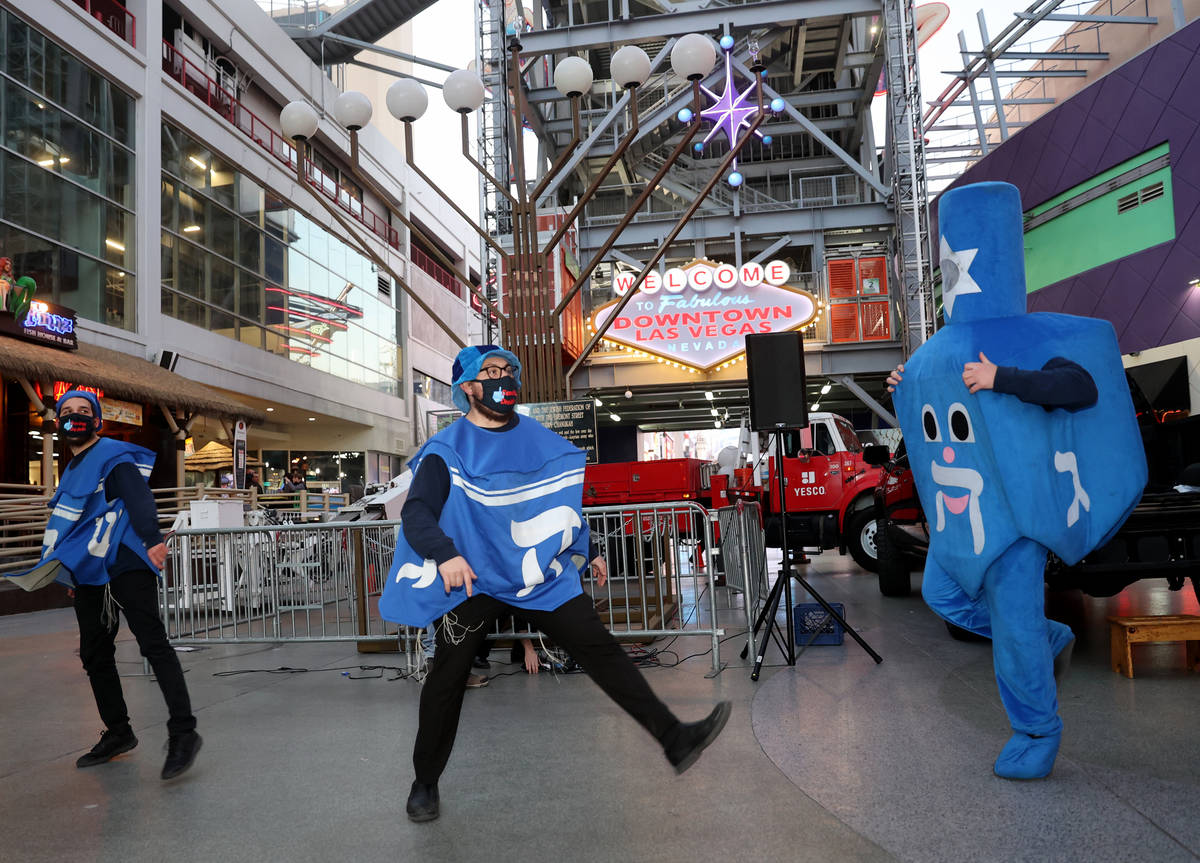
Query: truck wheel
x,y
861,536
894,576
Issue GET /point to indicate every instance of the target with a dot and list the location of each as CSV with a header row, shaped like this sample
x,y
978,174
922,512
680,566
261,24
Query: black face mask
x,y
76,427
499,395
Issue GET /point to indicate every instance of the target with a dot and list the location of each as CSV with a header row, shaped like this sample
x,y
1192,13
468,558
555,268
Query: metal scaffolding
x,y
909,193
1044,63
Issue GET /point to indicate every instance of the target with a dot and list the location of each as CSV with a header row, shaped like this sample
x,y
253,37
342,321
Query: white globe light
x,y
406,100
693,56
298,120
463,91
629,66
352,109
573,76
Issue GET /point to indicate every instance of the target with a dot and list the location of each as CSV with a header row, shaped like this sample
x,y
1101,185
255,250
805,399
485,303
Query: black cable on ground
x,y
400,673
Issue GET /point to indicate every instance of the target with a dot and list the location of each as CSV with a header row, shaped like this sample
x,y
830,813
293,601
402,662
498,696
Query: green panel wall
x,y
1095,234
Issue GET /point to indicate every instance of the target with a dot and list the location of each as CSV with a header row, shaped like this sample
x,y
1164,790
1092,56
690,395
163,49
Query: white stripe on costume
x,y
464,483
67,513
507,497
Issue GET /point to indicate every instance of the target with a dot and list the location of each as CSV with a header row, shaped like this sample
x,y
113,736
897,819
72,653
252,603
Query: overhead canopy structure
x,y
121,376
337,38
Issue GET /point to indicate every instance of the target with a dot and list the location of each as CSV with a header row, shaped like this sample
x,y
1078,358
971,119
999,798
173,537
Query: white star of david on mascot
x,y
956,275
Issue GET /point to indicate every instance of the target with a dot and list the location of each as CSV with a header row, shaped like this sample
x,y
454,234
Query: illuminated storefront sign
x,y
699,316
44,323
62,387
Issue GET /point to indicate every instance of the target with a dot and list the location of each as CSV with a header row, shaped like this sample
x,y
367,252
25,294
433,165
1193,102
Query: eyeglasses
x,y
497,372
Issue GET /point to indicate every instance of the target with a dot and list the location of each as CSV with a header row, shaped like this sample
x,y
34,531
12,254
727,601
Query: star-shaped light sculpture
x,y
731,110
956,275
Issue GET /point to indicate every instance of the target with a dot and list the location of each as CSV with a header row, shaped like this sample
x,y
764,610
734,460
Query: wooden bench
x,y
1127,631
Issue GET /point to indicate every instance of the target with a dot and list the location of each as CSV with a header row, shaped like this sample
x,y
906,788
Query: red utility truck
x,y
828,486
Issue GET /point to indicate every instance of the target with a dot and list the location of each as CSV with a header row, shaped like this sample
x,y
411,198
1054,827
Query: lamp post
x,y
530,329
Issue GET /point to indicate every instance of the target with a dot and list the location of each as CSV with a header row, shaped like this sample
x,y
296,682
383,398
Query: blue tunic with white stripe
x,y
515,514
86,531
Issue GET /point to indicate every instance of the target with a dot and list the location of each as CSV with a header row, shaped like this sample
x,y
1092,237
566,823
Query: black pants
x,y
574,626
136,592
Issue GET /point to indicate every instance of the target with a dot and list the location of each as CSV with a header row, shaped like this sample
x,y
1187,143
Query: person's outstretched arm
x,y
1059,383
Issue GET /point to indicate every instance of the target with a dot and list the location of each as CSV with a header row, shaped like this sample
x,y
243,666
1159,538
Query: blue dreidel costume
x,y
515,513
1002,480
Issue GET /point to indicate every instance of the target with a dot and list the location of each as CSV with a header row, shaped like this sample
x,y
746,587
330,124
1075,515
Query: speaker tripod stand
x,y
783,587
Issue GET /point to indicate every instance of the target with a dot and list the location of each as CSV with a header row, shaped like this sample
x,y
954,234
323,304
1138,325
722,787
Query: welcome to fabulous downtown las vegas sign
x,y
699,316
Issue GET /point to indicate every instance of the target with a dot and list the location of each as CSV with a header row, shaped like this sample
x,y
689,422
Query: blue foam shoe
x,y
1026,757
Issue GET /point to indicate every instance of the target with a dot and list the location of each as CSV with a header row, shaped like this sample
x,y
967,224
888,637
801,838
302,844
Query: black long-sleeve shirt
x,y
1059,383
423,507
125,482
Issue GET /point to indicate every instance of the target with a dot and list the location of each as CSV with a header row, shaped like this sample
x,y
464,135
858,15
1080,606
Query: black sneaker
x,y
181,752
481,662
422,802
111,744
691,738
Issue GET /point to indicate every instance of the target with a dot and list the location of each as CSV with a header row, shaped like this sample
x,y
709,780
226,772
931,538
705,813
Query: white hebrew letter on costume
x,y
1065,462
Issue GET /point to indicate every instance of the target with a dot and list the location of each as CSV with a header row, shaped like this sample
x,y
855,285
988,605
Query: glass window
x,y
222,287
77,238
822,440
849,436
170,205
250,298
250,243
267,275
222,229
189,270
51,71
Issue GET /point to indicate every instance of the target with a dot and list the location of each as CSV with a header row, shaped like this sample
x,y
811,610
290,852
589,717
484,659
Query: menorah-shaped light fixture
x,y
530,329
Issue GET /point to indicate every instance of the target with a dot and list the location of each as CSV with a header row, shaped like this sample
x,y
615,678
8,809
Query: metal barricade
x,y
659,580
321,582
744,556
313,582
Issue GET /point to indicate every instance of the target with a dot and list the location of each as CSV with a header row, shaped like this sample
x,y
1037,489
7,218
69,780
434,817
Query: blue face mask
x,y
499,395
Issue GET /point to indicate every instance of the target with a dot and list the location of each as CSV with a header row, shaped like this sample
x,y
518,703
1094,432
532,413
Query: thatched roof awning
x,y
120,375
215,456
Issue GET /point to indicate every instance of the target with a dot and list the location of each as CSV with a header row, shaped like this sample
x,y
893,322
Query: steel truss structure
x,y
1047,63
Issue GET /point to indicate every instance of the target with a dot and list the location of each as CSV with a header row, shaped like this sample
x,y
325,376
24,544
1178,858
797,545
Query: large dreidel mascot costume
x,y
1003,480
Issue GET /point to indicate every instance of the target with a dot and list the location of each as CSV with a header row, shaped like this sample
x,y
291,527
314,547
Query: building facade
x,y
146,185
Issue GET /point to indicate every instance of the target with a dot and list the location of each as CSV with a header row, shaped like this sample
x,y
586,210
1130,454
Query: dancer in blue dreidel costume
x,y
494,523
1003,479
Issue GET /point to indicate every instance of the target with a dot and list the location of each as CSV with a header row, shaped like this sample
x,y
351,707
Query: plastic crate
x,y
810,617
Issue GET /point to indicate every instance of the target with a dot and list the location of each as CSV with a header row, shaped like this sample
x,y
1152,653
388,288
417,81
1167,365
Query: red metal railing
x,y
437,272
112,15
224,103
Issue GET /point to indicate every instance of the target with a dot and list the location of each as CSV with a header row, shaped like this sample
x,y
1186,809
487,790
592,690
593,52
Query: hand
x,y
531,657
600,569
895,377
981,375
157,555
456,572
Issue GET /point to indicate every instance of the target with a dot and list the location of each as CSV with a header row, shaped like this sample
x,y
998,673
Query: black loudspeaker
x,y
775,374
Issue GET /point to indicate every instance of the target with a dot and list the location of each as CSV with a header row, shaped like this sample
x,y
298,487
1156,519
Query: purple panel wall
x,y
1153,98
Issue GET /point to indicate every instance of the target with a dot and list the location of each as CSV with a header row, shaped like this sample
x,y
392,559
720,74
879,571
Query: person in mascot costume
x,y
1022,438
493,522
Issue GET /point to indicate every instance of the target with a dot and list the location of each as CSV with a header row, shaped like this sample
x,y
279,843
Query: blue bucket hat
x,y
467,365
81,394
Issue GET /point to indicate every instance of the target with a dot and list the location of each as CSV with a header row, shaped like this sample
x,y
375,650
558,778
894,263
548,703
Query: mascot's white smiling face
x,y
959,485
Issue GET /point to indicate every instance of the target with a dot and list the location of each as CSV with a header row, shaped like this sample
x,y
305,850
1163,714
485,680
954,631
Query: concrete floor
x,y
834,759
